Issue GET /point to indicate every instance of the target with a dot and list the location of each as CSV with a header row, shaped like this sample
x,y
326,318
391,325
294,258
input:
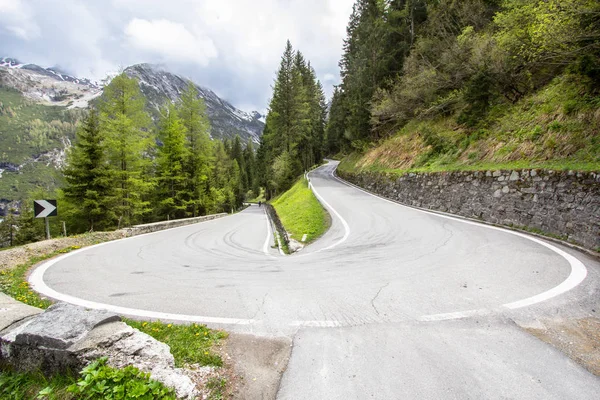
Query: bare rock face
x,y
70,337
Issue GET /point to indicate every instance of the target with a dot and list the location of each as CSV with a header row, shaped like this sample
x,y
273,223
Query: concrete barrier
x,y
159,226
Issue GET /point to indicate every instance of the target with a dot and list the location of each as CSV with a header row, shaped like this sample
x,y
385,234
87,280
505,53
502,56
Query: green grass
x,y
13,281
301,213
19,385
217,387
349,165
190,344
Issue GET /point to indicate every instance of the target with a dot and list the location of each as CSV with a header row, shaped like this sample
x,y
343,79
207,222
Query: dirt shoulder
x,y
14,256
579,339
256,365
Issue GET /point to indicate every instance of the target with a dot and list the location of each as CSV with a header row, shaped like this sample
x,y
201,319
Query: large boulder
x,y
68,337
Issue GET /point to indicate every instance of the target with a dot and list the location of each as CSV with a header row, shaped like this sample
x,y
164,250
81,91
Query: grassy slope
x,y
301,213
556,128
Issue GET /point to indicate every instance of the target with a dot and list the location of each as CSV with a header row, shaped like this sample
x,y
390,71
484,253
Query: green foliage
x,y
171,188
28,131
19,386
125,123
301,213
89,178
190,344
293,137
197,163
99,381
470,62
217,388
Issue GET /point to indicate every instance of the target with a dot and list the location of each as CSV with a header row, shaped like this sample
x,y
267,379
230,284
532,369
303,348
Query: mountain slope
x,y
160,86
40,108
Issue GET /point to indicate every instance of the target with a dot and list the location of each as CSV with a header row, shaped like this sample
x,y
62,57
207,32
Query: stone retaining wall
x,y
564,204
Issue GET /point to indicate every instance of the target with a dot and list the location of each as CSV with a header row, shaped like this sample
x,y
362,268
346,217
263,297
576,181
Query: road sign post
x,y
45,209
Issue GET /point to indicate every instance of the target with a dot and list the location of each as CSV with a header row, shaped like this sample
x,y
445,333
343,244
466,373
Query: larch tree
x,y
129,143
197,164
171,178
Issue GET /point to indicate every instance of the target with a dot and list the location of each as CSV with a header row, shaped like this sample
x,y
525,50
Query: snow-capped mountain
x,y
160,86
47,85
51,86
40,108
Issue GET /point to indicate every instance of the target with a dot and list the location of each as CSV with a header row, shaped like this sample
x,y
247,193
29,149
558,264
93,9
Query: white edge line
x,y
38,284
578,269
451,315
343,221
269,235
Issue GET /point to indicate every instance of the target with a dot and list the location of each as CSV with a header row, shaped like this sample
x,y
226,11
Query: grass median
x,y
301,213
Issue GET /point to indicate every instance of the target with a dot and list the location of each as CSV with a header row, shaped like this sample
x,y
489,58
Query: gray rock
x,y
12,311
62,325
514,175
124,346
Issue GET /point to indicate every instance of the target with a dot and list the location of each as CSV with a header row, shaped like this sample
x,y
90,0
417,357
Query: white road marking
x,y
37,283
333,210
269,235
578,269
577,275
452,315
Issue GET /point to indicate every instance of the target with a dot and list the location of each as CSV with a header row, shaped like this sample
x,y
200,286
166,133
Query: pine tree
x,y
88,176
129,143
237,154
250,168
171,177
293,136
197,163
224,180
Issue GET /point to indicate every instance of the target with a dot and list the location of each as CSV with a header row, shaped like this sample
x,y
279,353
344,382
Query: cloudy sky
x,y
231,46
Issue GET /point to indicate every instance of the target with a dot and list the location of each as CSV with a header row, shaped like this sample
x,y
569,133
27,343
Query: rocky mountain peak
x,y
160,86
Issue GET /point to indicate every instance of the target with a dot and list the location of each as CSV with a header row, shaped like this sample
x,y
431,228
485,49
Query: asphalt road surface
x,y
391,303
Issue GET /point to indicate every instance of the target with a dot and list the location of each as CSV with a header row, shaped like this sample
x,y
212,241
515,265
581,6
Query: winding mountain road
x,y
391,303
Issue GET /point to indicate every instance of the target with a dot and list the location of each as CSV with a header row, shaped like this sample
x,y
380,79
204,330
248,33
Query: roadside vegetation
x,y
301,213
96,381
190,344
555,128
469,85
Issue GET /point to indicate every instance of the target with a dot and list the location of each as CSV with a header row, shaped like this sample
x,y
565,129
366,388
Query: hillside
x,y
41,107
475,84
555,128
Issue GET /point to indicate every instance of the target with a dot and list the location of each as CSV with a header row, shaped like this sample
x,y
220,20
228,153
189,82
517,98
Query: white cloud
x,y
170,40
231,46
16,18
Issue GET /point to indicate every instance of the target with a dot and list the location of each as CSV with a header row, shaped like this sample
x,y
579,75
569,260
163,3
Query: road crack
x,y
376,296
